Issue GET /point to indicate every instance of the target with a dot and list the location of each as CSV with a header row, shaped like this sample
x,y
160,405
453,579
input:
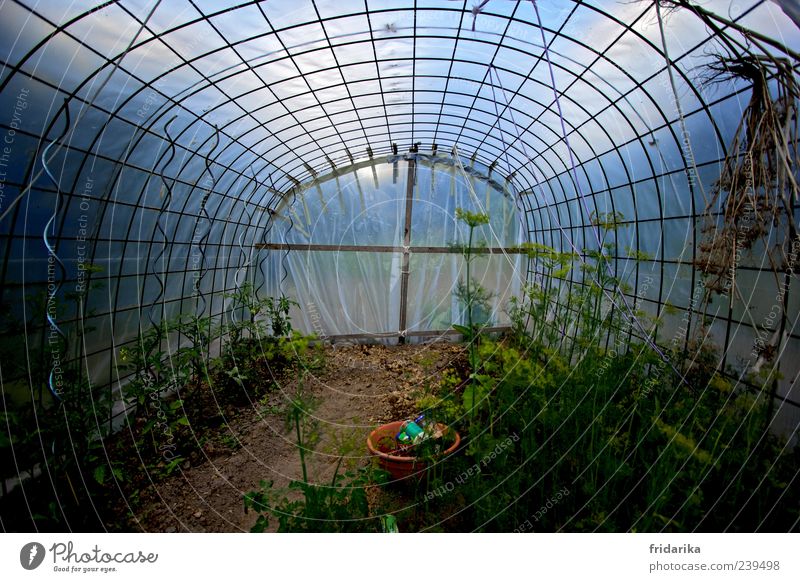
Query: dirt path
x,y
359,388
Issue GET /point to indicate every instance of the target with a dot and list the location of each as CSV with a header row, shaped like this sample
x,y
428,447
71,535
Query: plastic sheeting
x,y
351,291
203,127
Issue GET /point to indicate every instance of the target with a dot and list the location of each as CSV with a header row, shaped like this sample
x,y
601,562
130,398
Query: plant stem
x,y
300,447
468,253
472,355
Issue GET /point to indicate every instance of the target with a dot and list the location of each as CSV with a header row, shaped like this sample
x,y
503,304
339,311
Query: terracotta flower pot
x,y
381,443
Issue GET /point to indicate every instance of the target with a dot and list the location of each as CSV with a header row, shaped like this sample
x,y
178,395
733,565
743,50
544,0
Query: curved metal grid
x,y
301,89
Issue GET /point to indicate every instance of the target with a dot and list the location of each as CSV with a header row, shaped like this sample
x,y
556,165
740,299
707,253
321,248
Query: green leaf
x,y
469,396
100,474
472,219
389,524
148,426
561,273
463,330
173,464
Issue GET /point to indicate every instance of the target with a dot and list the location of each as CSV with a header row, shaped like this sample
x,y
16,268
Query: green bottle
x,y
411,432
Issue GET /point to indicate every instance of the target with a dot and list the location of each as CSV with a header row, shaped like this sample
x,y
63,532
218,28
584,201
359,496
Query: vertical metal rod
x,y
406,250
375,178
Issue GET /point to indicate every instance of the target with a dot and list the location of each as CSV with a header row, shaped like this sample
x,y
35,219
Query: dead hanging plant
x,y
751,204
727,31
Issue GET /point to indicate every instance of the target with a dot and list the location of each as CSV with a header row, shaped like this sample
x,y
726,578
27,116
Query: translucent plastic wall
x,y
166,147
339,247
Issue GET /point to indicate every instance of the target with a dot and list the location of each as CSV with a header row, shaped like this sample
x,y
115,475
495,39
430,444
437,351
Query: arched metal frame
x,y
283,140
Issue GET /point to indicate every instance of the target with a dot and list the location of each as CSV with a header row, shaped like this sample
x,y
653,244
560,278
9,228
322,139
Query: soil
x,y
359,388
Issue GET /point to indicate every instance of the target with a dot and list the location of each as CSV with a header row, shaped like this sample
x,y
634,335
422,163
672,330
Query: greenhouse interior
x,y
399,266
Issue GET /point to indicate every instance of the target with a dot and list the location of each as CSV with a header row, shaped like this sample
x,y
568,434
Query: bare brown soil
x,y
359,388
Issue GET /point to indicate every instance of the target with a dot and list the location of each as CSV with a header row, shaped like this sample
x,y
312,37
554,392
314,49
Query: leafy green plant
x,y
63,436
277,310
636,448
258,312
251,354
155,391
471,294
198,331
230,441
541,306
339,506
